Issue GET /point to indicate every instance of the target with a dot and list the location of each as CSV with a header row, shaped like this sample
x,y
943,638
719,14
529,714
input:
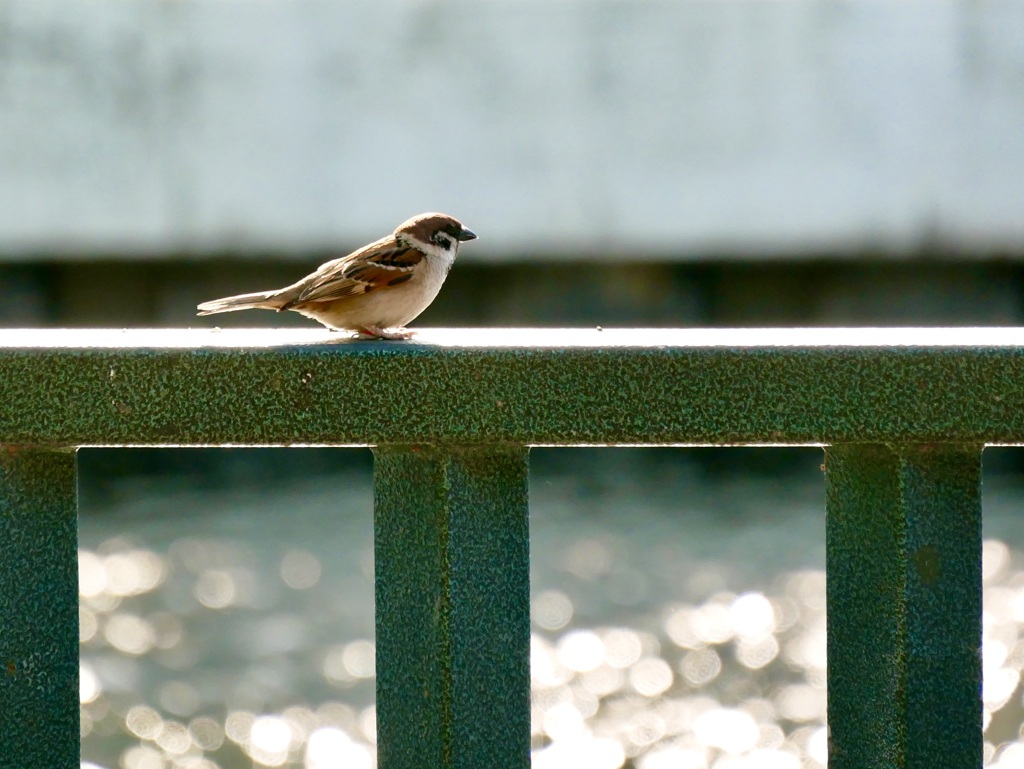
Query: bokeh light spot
x,y
583,753
752,616
623,647
817,746
680,629
174,738
89,687
238,726
650,677
270,735
998,686
143,757
133,572
995,559
552,610
144,722
588,559
88,624
701,666
331,748
92,577
359,659
368,723
712,623
645,728
545,669
300,569
216,589
756,655
801,702
727,729
207,733
564,722
674,758
581,650
129,634
603,680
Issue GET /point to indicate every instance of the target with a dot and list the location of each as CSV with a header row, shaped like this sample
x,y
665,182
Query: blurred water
x,y
678,612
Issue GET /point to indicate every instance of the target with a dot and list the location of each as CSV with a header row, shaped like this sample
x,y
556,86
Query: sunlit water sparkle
x,y
248,642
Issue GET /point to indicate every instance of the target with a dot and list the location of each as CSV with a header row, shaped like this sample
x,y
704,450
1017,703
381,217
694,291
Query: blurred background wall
x,y
664,162
648,162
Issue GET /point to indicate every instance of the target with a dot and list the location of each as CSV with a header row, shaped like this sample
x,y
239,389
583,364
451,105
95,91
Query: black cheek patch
x,y
443,242
399,279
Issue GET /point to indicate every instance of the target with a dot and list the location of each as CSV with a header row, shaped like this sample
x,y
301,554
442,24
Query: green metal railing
x,y
903,414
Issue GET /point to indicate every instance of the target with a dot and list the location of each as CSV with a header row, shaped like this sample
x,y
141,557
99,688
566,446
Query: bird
x,y
375,290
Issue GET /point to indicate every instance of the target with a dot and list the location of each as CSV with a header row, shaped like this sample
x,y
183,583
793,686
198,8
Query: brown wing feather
x,y
380,265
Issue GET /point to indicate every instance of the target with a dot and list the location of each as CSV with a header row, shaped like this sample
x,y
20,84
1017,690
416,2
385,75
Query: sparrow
x,y
377,289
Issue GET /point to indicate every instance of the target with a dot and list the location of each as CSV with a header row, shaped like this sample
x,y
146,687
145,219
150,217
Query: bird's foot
x,y
385,333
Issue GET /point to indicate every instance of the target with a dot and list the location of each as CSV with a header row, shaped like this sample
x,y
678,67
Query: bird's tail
x,y
262,300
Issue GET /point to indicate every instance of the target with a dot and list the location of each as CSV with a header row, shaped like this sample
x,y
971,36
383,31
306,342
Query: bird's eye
x,y
443,239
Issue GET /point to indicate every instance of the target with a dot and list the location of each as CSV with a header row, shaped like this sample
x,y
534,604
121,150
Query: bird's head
x,y
434,233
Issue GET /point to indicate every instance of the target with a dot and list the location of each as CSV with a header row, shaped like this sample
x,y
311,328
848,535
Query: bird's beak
x,y
466,235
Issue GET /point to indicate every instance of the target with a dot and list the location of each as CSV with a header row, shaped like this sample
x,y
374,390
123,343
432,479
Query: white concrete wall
x,y
685,128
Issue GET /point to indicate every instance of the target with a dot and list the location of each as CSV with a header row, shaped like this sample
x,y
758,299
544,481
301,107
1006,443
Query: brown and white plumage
x,y
375,290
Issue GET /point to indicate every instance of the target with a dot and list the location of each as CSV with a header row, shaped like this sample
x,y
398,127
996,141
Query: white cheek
x,y
445,252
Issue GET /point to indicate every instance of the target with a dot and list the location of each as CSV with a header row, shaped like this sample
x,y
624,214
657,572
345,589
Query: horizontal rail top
x,y
516,386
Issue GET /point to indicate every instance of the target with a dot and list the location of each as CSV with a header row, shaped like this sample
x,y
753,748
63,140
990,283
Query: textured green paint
x,y
453,608
641,387
904,606
38,610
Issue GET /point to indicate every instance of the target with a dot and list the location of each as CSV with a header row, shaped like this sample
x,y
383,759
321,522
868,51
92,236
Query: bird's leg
x,y
383,333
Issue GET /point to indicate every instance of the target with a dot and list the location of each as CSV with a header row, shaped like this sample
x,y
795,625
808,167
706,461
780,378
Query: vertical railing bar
x,y
453,607
903,544
39,709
